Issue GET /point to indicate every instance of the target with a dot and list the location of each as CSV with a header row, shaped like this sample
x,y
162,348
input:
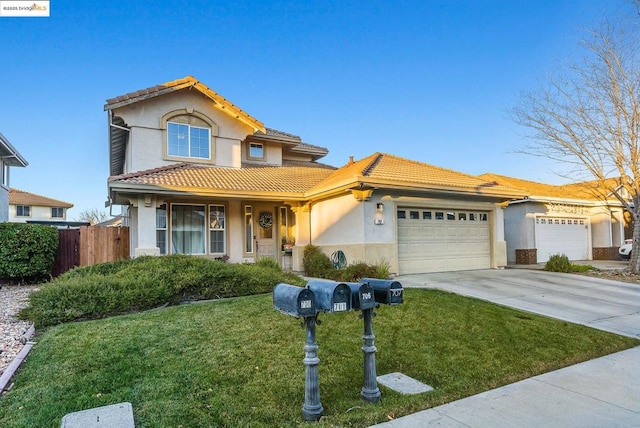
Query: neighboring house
x,y
577,220
197,175
25,207
9,157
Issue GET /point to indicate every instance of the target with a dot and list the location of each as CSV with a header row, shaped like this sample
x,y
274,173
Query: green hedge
x,y
143,283
27,251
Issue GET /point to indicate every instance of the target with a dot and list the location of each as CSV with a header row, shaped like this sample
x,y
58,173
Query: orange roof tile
x,y
588,190
20,197
186,82
292,179
393,171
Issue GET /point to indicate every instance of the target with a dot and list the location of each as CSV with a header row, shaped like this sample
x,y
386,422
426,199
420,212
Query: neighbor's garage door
x,y
436,240
556,235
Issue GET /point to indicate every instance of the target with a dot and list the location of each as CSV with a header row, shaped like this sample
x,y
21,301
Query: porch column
x,y
146,221
302,233
499,250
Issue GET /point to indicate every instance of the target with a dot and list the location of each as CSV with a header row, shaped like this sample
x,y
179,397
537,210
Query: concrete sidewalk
x,y
604,392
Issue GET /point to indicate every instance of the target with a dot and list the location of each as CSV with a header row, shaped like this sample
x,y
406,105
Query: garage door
x,y
437,240
556,235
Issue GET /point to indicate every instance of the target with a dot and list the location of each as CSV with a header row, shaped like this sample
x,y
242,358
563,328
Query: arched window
x,y
189,135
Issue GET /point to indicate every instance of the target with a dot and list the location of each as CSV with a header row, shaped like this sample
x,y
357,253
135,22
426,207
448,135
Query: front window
x,y
248,229
188,229
57,212
23,211
188,141
161,228
217,229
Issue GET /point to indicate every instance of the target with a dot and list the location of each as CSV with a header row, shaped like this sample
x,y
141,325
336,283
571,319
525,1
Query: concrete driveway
x,y
598,393
606,305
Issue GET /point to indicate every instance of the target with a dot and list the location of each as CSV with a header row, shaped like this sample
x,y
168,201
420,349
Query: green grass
x,y
238,362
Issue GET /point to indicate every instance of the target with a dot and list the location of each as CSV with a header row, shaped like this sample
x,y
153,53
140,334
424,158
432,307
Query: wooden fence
x,y
90,245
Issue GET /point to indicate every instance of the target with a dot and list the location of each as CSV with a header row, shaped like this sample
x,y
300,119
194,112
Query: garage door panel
x,y
457,241
569,236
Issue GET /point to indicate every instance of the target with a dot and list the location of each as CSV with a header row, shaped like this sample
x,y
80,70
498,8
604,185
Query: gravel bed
x,y
12,299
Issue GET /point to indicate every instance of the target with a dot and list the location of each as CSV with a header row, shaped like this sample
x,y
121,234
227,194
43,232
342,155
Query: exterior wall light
x,y
379,216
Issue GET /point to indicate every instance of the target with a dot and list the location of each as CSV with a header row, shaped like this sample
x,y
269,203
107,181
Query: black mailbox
x,y
294,301
331,296
386,291
362,296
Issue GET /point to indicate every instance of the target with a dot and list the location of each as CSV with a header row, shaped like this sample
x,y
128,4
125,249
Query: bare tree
x,y
588,118
92,216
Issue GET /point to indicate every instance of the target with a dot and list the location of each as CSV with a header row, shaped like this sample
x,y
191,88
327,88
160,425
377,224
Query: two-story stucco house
x,y
195,174
26,207
581,220
9,157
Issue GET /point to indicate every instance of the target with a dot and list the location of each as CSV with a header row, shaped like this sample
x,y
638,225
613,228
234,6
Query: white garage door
x,y
437,240
556,235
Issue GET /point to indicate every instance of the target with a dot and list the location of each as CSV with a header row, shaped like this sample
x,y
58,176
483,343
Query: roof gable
x,y
388,171
185,83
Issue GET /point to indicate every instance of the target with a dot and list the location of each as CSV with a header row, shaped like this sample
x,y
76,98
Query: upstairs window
x,y
256,151
23,211
188,141
57,212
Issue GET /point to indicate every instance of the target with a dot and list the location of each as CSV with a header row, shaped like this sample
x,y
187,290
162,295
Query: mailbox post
x,y
389,293
312,408
362,298
301,302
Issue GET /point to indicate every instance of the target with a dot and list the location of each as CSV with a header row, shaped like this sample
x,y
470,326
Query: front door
x,y
265,228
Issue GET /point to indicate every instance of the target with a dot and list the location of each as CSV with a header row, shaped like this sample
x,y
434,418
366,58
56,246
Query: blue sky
x,y
429,80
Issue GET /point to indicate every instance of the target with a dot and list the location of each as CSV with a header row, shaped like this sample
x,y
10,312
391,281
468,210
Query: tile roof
x,y
186,82
293,178
20,197
275,132
381,169
588,190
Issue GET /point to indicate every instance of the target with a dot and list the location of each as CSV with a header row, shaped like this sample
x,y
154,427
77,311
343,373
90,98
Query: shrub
x,y
316,263
382,269
355,271
558,263
268,262
143,283
28,251
561,263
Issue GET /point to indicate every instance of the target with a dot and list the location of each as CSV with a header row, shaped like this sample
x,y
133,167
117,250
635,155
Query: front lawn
x,y
238,362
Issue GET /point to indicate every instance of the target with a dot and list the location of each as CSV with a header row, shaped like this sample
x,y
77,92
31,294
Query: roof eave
x,y
203,192
554,200
9,154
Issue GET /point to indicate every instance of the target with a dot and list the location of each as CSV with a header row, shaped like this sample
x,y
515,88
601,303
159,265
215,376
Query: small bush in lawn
x,y
143,283
558,263
382,269
355,271
316,263
268,262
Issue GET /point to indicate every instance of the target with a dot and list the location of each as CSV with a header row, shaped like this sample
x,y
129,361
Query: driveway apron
x,y
600,393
